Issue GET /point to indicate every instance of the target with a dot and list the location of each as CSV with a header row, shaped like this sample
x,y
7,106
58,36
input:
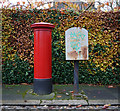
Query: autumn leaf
x,y
106,106
78,106
59,96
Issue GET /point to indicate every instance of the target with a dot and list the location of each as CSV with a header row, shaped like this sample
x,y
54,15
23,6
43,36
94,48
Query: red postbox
x,y
42,57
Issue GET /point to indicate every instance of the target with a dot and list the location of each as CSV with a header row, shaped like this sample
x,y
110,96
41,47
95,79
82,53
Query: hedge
x,y
18,45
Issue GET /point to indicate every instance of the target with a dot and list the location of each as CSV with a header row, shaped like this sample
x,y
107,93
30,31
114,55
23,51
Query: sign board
x,y
76,43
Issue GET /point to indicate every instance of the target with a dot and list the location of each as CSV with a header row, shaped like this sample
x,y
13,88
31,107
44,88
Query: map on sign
x,y
76,40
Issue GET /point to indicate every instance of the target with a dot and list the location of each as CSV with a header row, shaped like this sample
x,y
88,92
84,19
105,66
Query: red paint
x,y
42,50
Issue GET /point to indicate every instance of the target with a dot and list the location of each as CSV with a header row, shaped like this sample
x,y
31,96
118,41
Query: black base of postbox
x,y
42,86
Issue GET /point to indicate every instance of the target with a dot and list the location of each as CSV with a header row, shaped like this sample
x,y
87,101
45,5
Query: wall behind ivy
x,y
18,46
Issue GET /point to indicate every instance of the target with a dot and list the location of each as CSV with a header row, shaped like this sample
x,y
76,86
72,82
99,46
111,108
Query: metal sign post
x,y
76,40
76,77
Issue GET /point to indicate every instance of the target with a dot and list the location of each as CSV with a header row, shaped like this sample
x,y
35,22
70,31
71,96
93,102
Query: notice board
x,y
76,43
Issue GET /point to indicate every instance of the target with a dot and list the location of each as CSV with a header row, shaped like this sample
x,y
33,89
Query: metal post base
x,y
42,86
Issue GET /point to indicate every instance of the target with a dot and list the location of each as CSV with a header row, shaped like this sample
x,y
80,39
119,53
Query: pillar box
x,y
42,57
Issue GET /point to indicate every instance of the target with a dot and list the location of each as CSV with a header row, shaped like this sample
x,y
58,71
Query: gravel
x,y
59,108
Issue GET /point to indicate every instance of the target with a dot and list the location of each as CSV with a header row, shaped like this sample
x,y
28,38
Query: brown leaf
x,y
106,106
24,84
71,91
110,86
78,106
34,106
59,96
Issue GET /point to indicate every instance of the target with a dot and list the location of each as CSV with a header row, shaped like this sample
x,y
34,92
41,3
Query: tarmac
x,y
61,95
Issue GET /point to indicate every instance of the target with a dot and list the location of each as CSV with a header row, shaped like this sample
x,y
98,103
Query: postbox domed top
x,y
42,24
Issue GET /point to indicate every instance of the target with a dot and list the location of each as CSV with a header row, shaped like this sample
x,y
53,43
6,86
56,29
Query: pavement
x,y
61,95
